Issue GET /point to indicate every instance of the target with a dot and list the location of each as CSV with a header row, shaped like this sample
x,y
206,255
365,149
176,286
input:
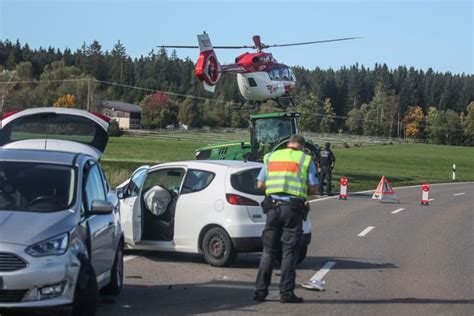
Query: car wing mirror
x,y
100,207
120,193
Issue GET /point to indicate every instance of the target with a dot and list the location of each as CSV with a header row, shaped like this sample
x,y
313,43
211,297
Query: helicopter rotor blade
x,y
177,46
259,45
218,47
314,42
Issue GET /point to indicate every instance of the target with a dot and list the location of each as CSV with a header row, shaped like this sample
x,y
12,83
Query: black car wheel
x,y
85,296
116,279
218,248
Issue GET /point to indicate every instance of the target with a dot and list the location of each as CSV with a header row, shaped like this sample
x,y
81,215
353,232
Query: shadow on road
x,y
344,263
182,299
222,296
252,260
405,300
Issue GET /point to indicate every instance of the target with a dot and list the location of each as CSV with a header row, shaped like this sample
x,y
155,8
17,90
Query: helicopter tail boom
x,y
207,68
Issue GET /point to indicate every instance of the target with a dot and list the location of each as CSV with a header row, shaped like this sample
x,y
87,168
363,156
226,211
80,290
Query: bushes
x,y
114,129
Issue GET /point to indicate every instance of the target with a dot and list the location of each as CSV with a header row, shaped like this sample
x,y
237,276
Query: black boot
x,y
259,297
291,298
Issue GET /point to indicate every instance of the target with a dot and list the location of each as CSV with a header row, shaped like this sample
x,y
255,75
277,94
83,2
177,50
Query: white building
x,y
127,115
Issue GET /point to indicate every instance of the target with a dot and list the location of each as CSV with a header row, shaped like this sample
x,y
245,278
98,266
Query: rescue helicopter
x,y
259,76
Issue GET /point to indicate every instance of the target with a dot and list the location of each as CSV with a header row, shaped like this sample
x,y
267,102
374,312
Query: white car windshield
x,y
38,187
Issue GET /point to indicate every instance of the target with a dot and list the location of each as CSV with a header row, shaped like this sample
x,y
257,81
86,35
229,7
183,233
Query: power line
x,y
40,81
166,92
238,105
122,85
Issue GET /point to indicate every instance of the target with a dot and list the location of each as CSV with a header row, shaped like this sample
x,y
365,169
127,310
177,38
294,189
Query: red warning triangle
x,y
385,192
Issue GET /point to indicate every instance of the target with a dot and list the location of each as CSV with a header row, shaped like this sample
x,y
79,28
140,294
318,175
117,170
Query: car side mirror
x,y
100,207
120,193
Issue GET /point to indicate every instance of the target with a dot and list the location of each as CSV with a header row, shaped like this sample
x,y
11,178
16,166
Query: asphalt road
x,y
414,261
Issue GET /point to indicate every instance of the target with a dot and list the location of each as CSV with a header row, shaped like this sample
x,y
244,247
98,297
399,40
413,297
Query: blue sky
x,y
422,34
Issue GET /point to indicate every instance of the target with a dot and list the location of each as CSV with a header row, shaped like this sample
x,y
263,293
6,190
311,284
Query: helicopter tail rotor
x,y
207,69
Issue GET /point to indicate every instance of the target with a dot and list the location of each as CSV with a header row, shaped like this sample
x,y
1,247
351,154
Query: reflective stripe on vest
x,y
287,172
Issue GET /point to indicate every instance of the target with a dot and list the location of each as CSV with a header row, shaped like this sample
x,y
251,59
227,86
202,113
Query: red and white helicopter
x,y
259,76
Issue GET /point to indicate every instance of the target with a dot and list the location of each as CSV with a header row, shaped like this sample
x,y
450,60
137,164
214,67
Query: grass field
x,y
407,164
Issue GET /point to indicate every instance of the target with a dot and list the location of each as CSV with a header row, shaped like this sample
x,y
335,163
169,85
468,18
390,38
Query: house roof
x,y
121,106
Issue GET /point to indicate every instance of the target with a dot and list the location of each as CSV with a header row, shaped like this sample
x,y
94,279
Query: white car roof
x,y
214,164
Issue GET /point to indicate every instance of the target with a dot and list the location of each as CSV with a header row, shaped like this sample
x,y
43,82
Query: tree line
x,y
402,102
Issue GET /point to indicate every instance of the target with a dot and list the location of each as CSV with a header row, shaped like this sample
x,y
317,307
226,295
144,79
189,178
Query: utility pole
x,y
88,107
398,125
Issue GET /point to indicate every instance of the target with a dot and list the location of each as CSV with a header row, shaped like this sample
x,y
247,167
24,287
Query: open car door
x,y
131,205
61,129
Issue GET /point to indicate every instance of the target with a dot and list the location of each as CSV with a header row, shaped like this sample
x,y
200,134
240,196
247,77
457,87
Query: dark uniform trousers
x,y
282,234
325,176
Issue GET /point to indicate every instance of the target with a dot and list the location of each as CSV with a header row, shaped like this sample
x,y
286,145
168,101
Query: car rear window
x,y
246,182
57,126
51,125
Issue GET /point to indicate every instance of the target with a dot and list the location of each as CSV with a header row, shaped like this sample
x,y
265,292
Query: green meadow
x,y
406,164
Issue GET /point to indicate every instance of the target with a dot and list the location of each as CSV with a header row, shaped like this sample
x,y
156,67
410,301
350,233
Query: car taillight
x,y
236,199
102,116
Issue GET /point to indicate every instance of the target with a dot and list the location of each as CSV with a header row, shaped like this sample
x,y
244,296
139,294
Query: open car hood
x,y
36,128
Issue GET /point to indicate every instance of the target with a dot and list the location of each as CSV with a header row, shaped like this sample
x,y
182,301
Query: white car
x,y
214,209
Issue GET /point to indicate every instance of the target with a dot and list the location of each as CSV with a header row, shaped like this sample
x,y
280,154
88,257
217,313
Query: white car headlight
x,y
54,246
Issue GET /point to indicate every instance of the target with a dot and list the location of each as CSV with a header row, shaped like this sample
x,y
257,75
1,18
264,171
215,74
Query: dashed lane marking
x,y
324,270
461,193
366,231
398,210
429,200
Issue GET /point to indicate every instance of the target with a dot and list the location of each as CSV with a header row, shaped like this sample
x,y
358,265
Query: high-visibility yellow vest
x,y
287,172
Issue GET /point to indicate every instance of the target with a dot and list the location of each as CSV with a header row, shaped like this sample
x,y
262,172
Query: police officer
x,y
288,176
326,162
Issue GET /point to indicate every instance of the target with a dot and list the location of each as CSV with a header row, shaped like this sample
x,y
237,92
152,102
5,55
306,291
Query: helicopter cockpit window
x,y
292,75
276,74
285,74
271,74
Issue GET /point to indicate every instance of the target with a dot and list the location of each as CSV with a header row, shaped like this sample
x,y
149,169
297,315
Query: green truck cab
x,y
268,132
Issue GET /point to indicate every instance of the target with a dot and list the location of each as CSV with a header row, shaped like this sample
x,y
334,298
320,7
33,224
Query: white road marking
x,y
429,200
462,193
398,210
324,270
128,258
366,231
